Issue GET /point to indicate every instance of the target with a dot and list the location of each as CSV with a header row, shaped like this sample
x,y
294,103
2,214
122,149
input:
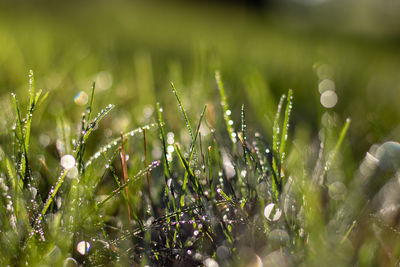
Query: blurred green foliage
x,y
142,46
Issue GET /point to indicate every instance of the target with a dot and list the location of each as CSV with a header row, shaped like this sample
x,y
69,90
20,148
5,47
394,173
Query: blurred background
x,y
341,58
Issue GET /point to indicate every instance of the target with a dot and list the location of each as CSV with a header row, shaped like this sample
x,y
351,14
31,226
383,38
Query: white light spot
x,y
272,213
329,99
170,149
210,263
83,247
324,71
81,98
326,85
170,138
67,162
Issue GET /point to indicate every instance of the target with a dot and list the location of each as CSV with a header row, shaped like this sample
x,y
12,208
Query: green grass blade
x,y
188,126
193,145
276,149
96,120
89,109
285,128
167,169
30,110
226,110
333,153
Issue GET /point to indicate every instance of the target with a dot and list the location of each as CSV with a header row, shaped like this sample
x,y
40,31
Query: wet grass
x,y
189,149
203,200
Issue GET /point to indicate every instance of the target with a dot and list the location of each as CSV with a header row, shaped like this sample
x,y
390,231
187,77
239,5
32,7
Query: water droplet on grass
x,y
83,247
272,212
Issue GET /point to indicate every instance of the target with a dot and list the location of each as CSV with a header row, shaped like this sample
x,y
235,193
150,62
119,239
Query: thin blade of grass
x,y
167,170
333,153
90,107
188,126
96,120
226,110
285,128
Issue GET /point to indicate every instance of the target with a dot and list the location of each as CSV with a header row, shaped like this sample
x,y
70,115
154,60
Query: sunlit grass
x,y
208,201
215,170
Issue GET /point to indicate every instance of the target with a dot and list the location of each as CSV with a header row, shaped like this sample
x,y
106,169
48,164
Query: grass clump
x,y
222,196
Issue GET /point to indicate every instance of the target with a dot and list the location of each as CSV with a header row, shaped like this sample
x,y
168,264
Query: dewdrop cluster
x,y
116,142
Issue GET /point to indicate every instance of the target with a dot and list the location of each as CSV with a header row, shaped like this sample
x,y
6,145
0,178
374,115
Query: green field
x,y
203,163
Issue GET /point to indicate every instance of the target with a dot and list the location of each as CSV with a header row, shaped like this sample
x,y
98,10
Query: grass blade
x,y
183,111
285,128
226,110
333,153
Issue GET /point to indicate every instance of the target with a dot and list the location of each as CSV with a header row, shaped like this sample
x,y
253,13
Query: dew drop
x,y
272,213
209,262
83,247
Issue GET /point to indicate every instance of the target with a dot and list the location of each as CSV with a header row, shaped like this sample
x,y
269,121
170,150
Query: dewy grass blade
x,y
19,134
285,128
226,110
276,132
161,123
210,176
50,198
333,153
192,146
183,111
90,107
243,137
30,110
167,171
189,172
115,142
186,163
275,150
96,120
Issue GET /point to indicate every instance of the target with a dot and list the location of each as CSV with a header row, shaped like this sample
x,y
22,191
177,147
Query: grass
x,y
148,147
206,199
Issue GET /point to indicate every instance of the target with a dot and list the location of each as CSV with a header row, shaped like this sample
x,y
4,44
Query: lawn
x,y
179,134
